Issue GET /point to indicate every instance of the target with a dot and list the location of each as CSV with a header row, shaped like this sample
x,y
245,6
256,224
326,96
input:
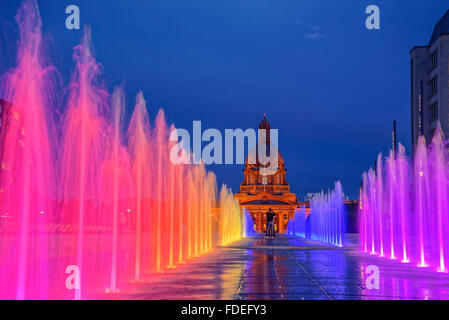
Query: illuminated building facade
x,y
260,191
429,71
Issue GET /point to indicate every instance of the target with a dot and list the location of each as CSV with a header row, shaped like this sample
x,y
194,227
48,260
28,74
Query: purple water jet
x,y
327,220
412,209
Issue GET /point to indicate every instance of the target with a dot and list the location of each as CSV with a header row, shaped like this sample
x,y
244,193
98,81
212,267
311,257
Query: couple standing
x,y
271,233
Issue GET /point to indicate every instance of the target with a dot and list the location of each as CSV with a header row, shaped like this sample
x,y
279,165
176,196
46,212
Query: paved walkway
x,y
288,268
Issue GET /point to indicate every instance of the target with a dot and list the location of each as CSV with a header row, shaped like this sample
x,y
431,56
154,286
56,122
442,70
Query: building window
x,y
434,59
264,180
433,111
285,217
433,86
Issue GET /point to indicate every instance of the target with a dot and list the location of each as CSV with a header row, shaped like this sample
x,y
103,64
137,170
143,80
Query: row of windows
x,y
433,86
434,59
433,111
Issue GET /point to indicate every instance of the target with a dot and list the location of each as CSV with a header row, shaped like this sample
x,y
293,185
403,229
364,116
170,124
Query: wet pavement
x,y
288,268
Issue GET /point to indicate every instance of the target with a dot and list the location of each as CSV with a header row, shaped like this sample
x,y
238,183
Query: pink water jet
x,y
85,139
140,151
93,209
27,176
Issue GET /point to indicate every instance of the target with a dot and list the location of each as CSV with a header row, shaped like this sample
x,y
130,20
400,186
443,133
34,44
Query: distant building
x,y
308,198
4,118
429,67
258,192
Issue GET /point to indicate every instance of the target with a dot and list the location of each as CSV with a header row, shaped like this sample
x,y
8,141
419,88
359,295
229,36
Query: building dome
x,y
442,27
253,155
253,163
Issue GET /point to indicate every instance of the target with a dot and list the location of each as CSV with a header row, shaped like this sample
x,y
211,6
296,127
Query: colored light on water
x,y
121,210
423,265
411,215
327,220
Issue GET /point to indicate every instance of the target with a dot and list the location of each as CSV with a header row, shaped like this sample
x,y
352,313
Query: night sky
x,y
329,85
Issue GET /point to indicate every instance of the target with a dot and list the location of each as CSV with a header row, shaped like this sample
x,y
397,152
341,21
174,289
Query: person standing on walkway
x,y
270,224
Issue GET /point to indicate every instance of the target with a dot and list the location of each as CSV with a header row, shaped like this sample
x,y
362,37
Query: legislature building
x,y
260,191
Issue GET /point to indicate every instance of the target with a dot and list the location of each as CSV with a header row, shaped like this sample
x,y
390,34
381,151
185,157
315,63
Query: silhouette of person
x,y
270,224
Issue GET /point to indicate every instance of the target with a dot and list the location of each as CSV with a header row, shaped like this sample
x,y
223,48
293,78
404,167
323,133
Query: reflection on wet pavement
x,y
288,268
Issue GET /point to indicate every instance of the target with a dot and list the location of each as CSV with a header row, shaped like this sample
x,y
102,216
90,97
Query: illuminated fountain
x,y
86,147
327,219
28,165
297,226
115,195
404,209
230,225
248,224
140,151
81,198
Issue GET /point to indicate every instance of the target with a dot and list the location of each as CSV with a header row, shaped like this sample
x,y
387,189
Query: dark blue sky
x,y
332,87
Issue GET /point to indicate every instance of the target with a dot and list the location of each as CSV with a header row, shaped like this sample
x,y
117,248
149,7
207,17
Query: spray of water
x,y
405,206
28,170
110,205
327,219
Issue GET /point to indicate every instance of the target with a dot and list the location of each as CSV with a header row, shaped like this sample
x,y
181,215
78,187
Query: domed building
x,y
264,186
